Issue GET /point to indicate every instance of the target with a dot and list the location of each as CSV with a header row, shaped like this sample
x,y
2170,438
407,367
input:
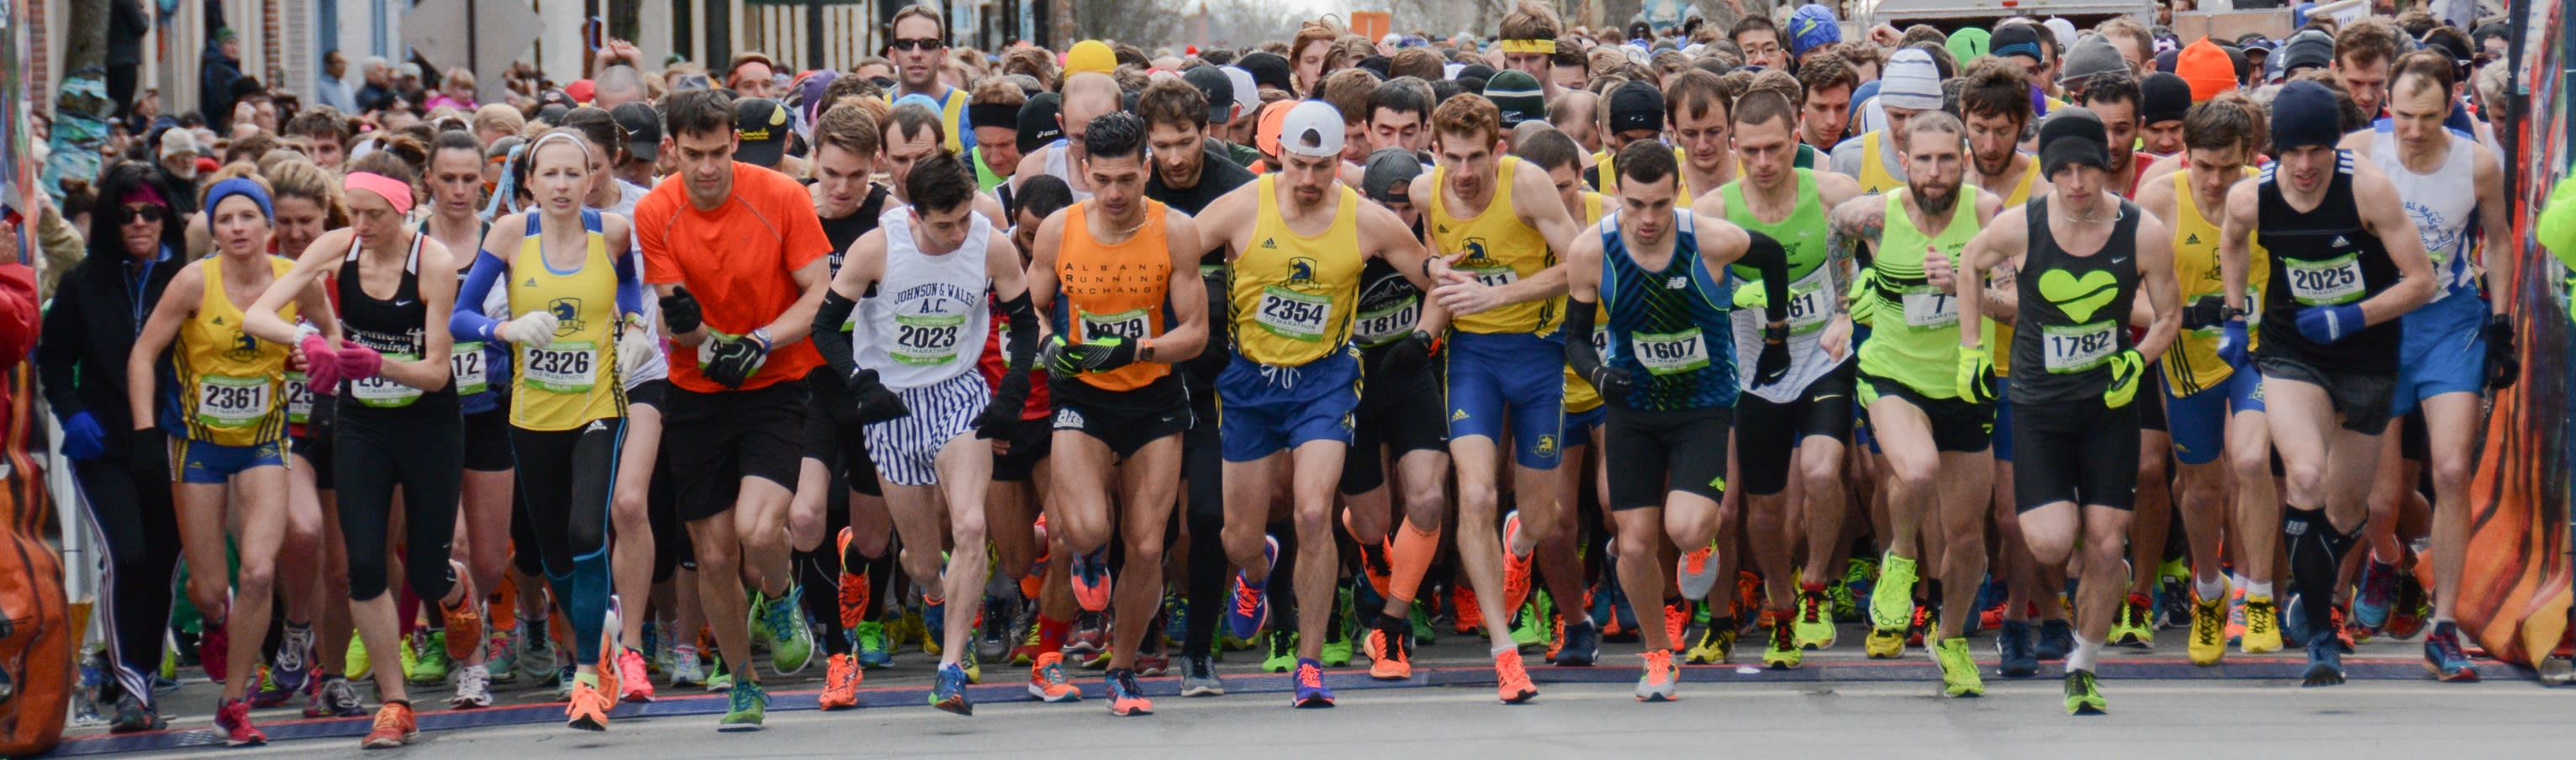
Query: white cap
x,y
1390,39
1312,128
1246,93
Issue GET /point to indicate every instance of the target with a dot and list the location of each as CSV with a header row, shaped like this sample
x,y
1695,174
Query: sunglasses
x,y
923,43
145,212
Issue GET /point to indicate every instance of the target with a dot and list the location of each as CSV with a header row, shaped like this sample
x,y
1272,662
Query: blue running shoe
x,y
2325,662
1311,691
2377,595
2443,656
934,618
949,693
1250,607
1176,617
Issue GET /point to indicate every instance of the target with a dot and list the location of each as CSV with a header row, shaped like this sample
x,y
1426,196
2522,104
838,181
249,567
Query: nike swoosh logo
x,y
2120,260
404,303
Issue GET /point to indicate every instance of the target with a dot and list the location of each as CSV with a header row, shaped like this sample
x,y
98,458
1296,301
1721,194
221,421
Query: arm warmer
x,y
1580,354
1765,254
467,321
1023,348
833,344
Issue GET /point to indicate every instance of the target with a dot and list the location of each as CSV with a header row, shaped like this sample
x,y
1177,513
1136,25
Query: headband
x,y
553,137
143,193
1545,47
241,186
396,193
981,115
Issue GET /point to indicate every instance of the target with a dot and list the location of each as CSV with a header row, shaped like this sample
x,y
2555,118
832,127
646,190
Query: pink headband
x,y
395,192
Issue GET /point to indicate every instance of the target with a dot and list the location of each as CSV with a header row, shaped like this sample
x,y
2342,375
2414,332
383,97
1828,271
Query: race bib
x,y
1811,305
468,362
1928,306
231,402
299,399
1293,315
1130,324
1494,277
382,392
565,367
2331,282
926,339
1379,327
1671,354
2068,349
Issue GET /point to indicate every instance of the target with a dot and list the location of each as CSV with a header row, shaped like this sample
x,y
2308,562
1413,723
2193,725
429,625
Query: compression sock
x,y
2316,559
1410,560
1208,585
589,603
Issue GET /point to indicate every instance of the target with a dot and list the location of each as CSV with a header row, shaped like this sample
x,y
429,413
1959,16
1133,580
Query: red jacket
x,y
18,312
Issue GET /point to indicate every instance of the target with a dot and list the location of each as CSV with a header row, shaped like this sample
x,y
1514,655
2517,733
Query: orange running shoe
x,y
1388,660
394,727
841,683
633,683
1511,681
1463,610
854,587
588,709
465,620
1373,563
1047,681
1660,678
1678,617
1516,569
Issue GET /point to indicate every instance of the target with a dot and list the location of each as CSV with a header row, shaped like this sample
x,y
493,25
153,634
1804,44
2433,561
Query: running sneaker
x,y
133,715
974,668
1511,680
1958,668
1153,662
2325,662
1026,652
500,658
2056,638
2084,694
1783,653
1176,618
840,683
2208,640
1090,576
294,668
1657,684
429,662
1425,632
394,727
473,688
719,677
633,683
1283,652
993,632
1311,691
2015,649
1855,586
2262,626
1389,658
1125,697
1891,599
949,692
1581,647
1516,567
1198,677
588,708
2378,594
2135,624
1716,644
685,670
213,647
1249,609
536,647
232,720
1991,598
1047,680
334,699
1884,645
355,664
745,709
1814,623
2443,656
265,693
876,650
1920,629
1677,618
792,638
2413,608
1532,628
464,632
1466,615
1090,636
1373,564
1696,572
564,677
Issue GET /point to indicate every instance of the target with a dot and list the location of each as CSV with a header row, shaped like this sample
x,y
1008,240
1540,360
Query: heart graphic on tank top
x,y
2079,297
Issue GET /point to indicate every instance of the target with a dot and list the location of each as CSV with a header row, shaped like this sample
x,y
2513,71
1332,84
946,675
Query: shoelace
x,y
1247,602
630,668
2448,647
388,719
2206,628
2258,617
1815,606
1310,677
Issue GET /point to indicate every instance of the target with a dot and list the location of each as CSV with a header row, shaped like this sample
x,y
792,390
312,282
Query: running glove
x,y
1051,355
733,359
1976,376
2232,342
83,440
535,329
1612,383
2328,324
1408,356
876,402
2208,312
2127,367
1001,418
2504,364
680,312
1773,365
147,453
357,362
636,347
1102,353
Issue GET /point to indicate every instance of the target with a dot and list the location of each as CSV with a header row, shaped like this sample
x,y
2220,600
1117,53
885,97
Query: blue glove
x,y
2231,345
2328,324
83,440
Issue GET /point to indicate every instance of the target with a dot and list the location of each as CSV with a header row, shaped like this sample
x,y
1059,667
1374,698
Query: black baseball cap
x,y
762,124
643,128
1219,89
1636,105
1268,69
1038,125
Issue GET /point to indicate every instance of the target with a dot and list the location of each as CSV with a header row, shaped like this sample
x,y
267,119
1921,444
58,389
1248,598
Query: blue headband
x,y
241,186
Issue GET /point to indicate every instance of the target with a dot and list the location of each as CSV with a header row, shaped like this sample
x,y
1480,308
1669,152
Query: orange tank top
x,y
1118,289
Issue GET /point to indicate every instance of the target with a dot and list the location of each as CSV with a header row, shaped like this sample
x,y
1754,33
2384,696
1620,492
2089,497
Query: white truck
x,y
1954,14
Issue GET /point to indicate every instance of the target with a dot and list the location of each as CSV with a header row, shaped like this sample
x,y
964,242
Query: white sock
x,y
2084,654
2210,589
1502,649
2259,589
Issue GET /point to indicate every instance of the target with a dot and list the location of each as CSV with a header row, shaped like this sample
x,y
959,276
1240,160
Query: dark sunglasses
x,y
924,43
145,212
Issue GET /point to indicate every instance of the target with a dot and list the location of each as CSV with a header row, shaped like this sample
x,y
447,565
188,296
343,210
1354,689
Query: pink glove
x,y
359,362
321,365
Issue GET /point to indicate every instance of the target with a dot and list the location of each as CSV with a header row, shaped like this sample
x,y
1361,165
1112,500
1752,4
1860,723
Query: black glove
x,y
1002,417
875,402
1408,356
732,360
1614,384
1101,353
2208,312
2504,363
1773,365
680,312
147,454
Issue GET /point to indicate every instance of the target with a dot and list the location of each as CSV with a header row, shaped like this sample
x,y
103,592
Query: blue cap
x,y
1811,26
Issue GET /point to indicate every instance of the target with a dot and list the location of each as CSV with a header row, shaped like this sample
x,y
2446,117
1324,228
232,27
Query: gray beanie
x,y
2091,55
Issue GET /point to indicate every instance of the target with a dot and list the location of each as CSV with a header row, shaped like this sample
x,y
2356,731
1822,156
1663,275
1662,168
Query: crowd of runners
x,y
1694,340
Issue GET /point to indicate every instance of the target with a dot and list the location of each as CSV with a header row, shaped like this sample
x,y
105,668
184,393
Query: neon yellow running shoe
x,y
1959,676
1891,600
2262,626
1884,644
2083,694
1784,653
2208,630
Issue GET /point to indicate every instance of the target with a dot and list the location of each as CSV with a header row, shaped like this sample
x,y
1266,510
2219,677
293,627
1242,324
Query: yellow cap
x,y
1090,55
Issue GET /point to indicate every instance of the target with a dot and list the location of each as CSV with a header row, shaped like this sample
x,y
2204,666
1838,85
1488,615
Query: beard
x,y
1937,204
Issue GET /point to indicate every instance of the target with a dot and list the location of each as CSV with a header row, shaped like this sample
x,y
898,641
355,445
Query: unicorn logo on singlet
x,y
1301,271
567,313
244,347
